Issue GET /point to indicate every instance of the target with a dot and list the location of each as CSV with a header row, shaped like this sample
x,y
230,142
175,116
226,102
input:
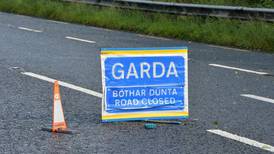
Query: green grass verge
x,y
247,3
255,35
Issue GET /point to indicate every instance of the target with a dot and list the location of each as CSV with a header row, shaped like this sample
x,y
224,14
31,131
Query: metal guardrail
x,y
187,9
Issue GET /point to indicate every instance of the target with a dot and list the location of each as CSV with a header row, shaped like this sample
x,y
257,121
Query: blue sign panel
x,y
150,83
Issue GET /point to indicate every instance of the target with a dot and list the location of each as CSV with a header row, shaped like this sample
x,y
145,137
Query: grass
x,y
247,3
254,35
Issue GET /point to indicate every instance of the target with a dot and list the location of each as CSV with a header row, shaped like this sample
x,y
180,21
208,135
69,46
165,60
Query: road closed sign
x,y
144,83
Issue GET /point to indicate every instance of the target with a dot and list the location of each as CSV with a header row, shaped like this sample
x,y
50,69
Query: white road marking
x,y
264,99
242,139
30,30
78,39
239,69
154,37
58,22
228,48
64,84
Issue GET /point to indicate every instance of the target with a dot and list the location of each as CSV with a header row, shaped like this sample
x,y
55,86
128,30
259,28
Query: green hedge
x,y
254,35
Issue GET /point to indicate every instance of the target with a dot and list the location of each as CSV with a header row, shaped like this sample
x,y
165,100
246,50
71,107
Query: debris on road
x,y
150,126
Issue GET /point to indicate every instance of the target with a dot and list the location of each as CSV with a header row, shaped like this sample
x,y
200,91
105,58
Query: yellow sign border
x,y
145,115
133,52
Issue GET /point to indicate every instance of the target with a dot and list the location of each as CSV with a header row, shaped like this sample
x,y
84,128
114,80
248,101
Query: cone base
x,y
64,131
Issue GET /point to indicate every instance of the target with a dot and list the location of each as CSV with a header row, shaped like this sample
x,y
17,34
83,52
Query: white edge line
x,y
228,48
238,69
58,22
264,99
154,37
64,84
78,39
29,29
242,139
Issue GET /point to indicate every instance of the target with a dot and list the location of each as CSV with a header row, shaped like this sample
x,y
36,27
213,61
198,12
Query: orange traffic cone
x,y
58,120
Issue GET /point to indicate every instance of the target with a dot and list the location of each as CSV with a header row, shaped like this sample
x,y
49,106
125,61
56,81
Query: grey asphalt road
x,y
215,100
